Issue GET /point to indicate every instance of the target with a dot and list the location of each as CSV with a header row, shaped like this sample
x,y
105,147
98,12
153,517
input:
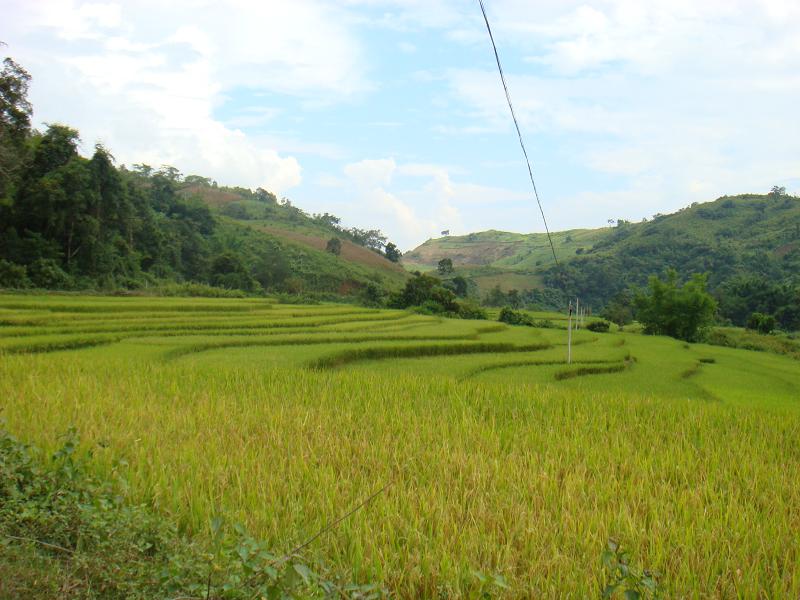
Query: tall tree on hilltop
x,y
15,121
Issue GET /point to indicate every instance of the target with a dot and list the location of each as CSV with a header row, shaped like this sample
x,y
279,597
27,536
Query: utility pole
x,y
569,335
577,313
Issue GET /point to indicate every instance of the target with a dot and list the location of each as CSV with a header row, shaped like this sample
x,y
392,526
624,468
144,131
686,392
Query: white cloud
x,y
415,201
655,103
680,101
370,180
146,78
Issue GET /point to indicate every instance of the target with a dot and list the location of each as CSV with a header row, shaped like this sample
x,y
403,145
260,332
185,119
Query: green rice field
x,y
499,457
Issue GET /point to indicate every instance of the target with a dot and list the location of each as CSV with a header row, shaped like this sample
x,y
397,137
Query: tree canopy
x,y
685,312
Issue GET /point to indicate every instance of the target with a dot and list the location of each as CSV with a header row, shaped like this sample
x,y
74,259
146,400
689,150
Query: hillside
x,y
70,222
510,260
740,241
501,249
262,212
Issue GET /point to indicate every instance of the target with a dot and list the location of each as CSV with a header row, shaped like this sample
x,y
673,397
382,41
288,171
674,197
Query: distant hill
x,y
510,260
360,260
735,239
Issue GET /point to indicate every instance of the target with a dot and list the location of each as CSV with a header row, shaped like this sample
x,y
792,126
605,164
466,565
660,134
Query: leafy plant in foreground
x,y
64,533
621,576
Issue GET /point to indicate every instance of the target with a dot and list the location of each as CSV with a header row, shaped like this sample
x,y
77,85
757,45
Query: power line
x,y
519,133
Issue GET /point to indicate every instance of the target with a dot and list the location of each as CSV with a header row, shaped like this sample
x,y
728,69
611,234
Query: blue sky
x,y
390,113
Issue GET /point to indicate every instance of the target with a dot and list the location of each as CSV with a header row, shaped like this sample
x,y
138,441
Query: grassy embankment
x,y
501,458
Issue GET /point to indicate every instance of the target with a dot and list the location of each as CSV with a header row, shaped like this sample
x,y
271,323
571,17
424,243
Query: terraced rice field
x,y
500,457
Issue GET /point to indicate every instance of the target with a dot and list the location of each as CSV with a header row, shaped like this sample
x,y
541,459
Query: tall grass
x,y
524,481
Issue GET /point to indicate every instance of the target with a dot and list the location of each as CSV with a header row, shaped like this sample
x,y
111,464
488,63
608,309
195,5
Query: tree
x,y
228,271
369,238
495,297
328,220
15,121
170,173
683,312
334,246
266,197
372,295
197,180
427,292
620,309
445,266
143,169
777,191
392,253
459,285
15,110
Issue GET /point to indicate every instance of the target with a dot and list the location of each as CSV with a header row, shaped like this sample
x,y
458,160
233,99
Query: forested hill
x,y
751,240
73,222
749,245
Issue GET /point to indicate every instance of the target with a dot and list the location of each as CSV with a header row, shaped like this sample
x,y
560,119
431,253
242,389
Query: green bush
x,y
47,273
683,312
470,310
514,317
599,326
13,275
762,323
334,246
544,324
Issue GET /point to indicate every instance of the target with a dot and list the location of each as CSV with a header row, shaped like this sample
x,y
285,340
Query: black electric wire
x,y
519,133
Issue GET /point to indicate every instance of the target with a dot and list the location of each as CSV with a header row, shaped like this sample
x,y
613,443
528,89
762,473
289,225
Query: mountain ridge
x,y
748,239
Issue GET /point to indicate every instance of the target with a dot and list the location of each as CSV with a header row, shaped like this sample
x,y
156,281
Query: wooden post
x,y
569,335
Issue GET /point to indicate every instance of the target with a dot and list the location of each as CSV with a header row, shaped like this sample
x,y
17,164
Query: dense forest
x,y
74,222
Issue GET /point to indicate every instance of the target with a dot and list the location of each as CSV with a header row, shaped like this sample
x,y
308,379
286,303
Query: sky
x,y
391,115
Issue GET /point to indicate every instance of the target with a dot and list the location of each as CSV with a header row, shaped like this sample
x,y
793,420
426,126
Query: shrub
x,y
392,253
13,275
334,246
47,273
228,271
683,312
427,295
762,323
371,296
235,210
470,310
544,324
445,266
599,326
423,289
514,317
621,575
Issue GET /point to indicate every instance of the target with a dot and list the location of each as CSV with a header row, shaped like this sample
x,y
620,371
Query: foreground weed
x,y
66,534
623,578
